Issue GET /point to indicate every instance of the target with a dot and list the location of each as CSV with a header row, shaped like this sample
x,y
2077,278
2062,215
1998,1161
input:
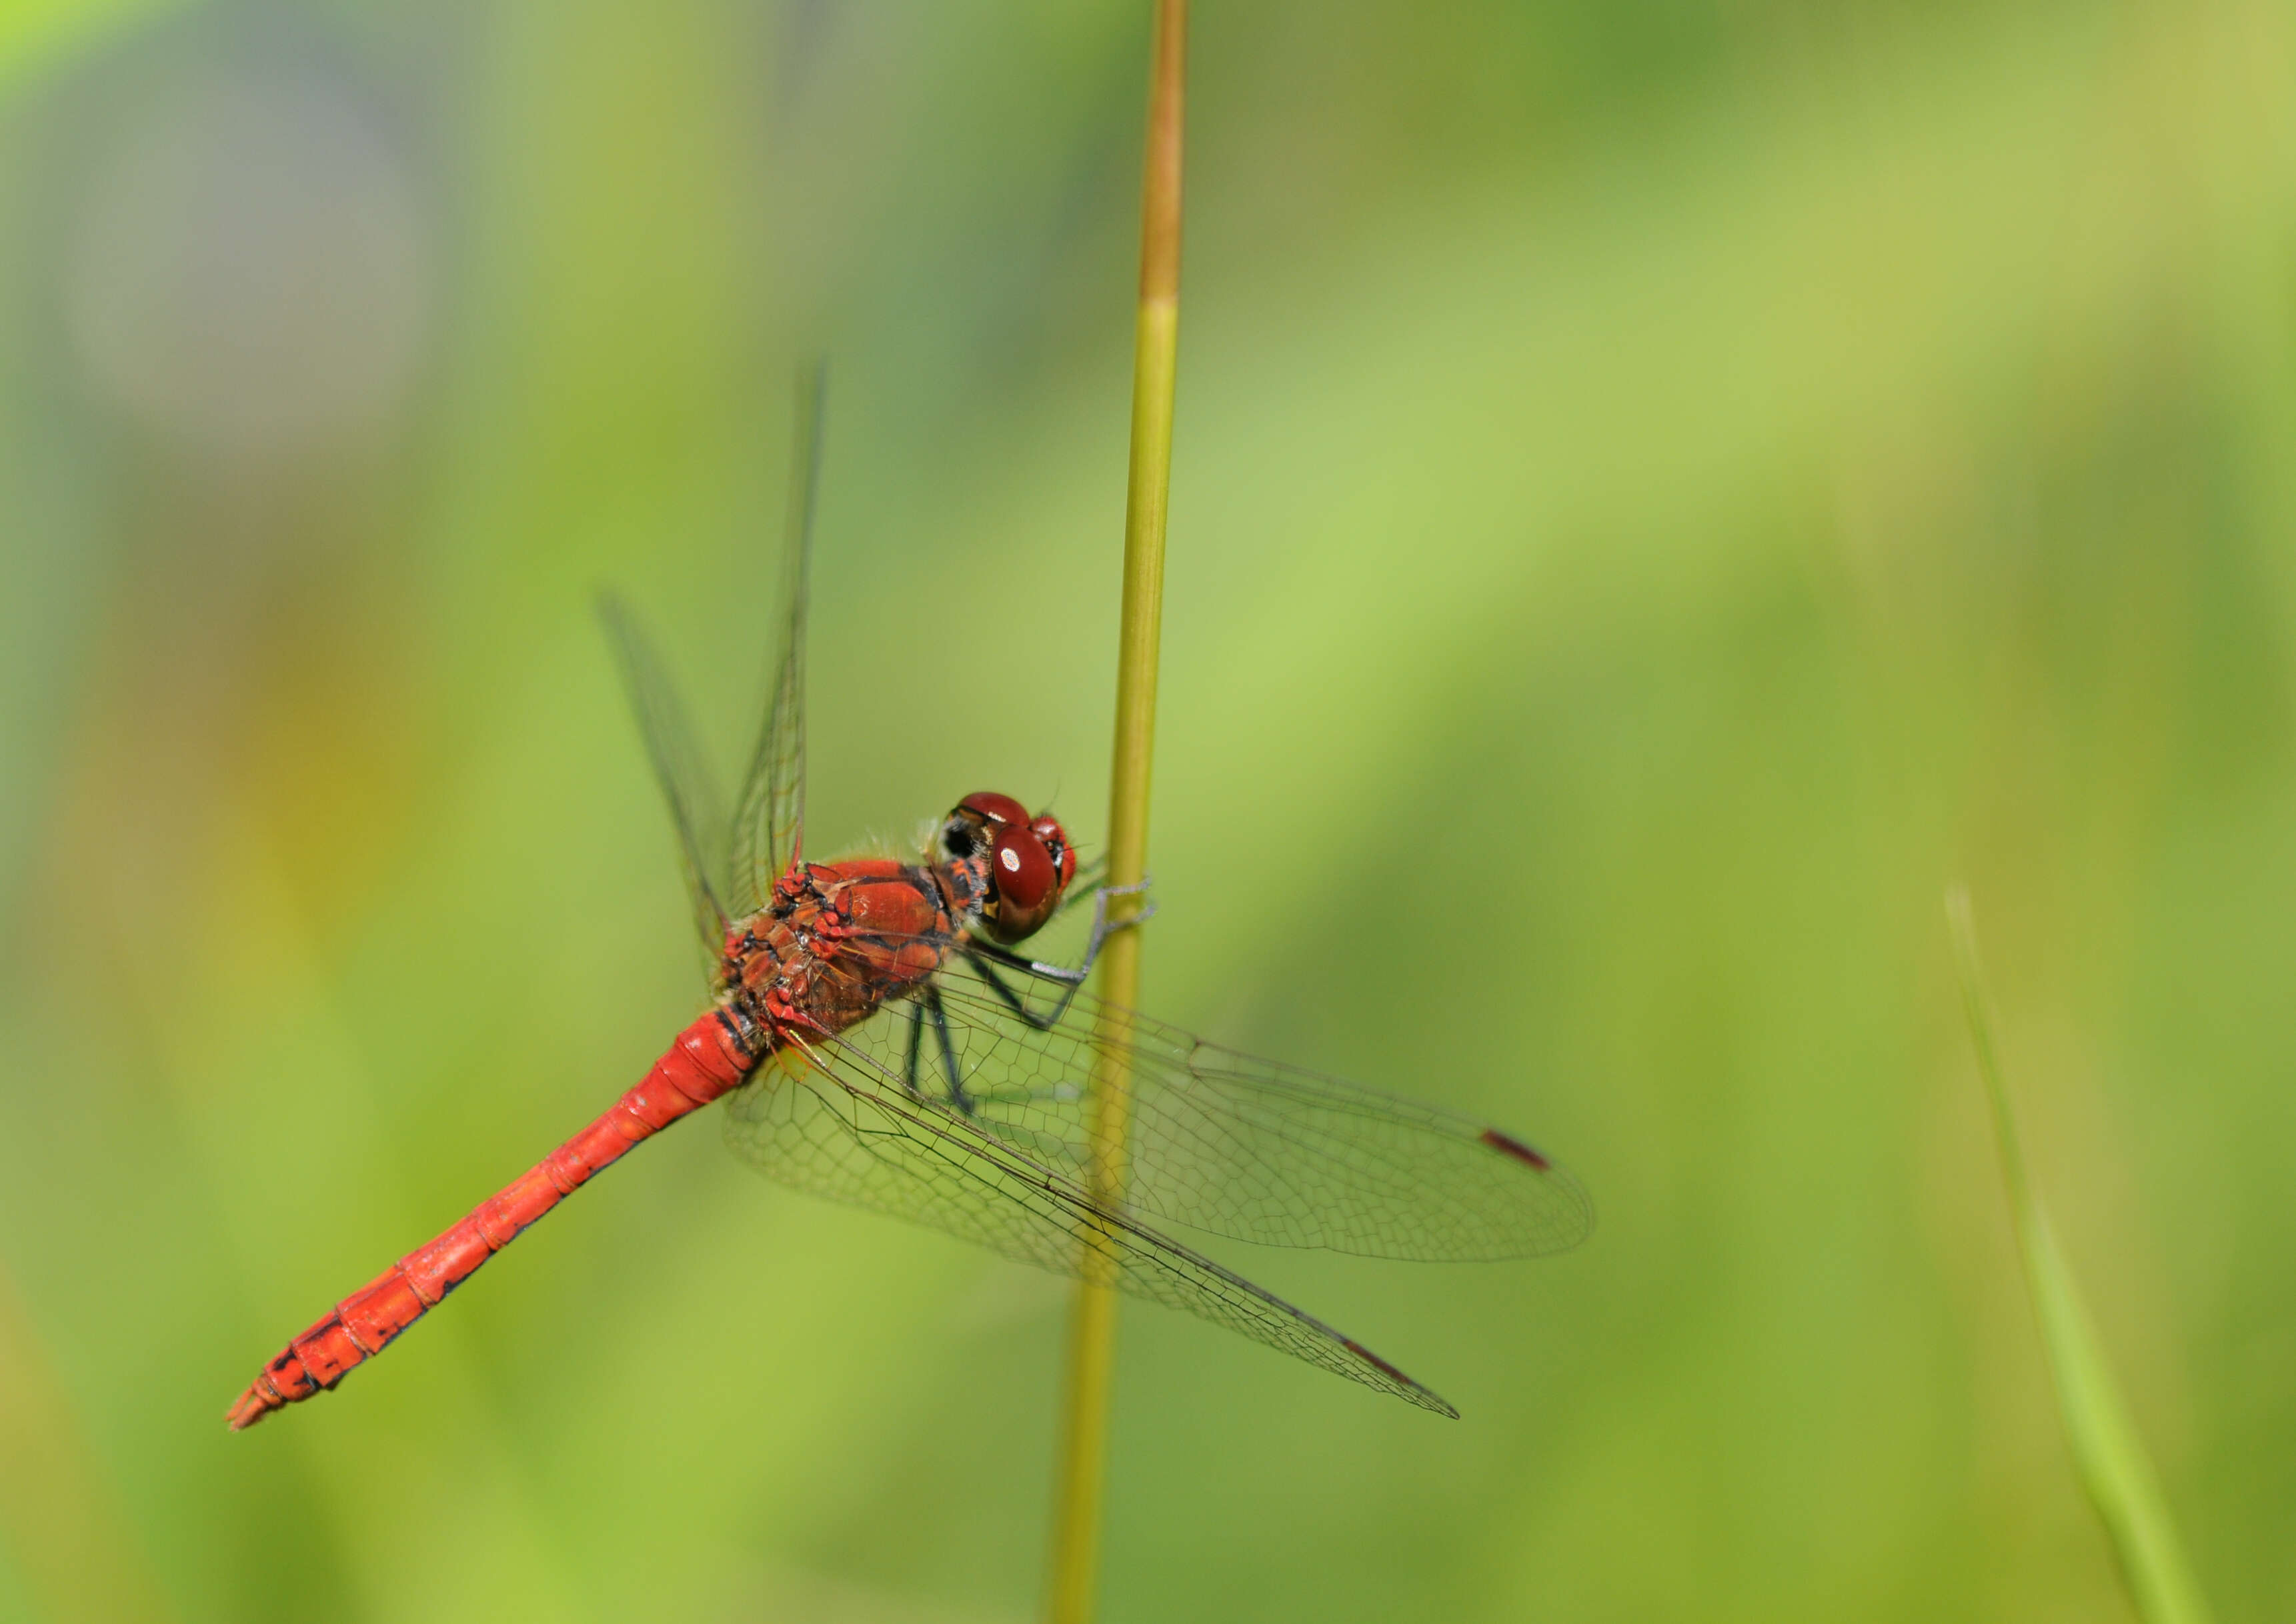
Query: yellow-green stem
x,y
1092,1348
2110,1456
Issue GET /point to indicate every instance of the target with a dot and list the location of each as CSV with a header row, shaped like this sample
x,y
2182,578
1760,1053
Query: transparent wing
x,y
697,807
1235,1146
843,1125
769,821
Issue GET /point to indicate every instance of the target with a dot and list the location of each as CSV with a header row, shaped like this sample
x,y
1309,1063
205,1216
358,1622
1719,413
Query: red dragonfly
x,y
883,1044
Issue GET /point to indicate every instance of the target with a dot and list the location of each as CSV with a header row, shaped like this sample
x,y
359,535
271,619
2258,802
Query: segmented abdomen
x,y
708,1059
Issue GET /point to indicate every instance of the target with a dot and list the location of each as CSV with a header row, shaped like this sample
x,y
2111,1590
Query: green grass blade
x,y
1083,1467
2106,1450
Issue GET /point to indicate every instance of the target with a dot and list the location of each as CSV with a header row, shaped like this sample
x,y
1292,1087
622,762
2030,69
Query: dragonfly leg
x,y
1013,1001
1102,929
916,1041
957,1097
1072,979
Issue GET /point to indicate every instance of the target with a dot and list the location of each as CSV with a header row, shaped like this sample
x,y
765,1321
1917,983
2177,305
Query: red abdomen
x,y
708,1059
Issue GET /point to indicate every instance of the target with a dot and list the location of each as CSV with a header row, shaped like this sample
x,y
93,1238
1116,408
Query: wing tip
x,y
1400,1384
1561,1237
1507,1145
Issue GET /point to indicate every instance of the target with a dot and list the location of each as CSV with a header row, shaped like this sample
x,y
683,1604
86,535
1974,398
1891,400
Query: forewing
x,y
838,1122
697,807
770,820
1244,1148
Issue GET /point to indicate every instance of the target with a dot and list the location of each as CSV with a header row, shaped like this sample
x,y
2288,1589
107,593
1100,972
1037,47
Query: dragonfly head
x,y
1029,861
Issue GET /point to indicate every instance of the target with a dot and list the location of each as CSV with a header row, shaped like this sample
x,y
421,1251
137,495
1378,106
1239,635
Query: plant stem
x,y
1092,1348
2109,1456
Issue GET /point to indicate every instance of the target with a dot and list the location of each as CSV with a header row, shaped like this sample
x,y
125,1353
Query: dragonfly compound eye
x,y
994,807
1048,829
974,822
1027,881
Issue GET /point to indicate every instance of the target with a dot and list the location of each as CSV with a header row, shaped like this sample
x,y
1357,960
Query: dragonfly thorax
x,y
836,943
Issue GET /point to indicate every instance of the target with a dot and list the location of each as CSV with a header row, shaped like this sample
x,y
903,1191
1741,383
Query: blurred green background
x,y
1661,488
